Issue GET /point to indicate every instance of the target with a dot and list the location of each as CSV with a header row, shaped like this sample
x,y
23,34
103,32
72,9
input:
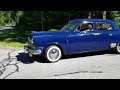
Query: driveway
x,y
98,65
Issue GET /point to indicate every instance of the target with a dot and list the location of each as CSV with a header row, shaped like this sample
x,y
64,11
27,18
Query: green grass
x,y
12,44
10,24
13,38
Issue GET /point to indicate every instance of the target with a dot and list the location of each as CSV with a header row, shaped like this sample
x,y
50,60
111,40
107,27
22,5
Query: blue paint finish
x,y
102,39
115,37
72,41
48,38
82,42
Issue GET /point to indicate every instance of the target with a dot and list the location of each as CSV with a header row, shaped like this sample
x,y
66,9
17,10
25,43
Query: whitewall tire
x,y
117,49
53,54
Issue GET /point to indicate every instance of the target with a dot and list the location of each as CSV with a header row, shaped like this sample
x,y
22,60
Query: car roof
x,y
91,20
95,20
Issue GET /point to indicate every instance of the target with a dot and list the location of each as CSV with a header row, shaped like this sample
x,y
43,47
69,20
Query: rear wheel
x,y
53,54
117,49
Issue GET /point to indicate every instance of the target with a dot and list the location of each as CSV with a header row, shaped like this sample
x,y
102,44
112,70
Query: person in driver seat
x,y
90,28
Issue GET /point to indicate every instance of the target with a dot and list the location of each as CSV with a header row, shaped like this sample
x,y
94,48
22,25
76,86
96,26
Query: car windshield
x,y
70,26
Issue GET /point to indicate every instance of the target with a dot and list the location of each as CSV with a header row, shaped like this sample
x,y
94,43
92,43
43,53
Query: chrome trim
x,y
30,44
33,51
30,40
113,45
96,34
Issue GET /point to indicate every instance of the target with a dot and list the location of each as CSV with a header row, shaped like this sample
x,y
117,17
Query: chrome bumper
x,y
34,52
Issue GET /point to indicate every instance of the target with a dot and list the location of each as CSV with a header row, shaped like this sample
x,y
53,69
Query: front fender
x,y
50,40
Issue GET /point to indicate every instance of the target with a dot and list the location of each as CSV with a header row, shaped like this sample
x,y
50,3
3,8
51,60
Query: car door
x,y
103,39
82,40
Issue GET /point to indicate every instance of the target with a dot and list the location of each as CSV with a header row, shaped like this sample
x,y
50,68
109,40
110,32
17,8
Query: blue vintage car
x,y
78,36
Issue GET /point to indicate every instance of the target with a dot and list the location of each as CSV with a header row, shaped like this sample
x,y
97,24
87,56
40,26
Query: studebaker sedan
x,y
78,36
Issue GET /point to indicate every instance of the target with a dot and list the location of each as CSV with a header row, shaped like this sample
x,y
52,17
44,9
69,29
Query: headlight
x,y
30,40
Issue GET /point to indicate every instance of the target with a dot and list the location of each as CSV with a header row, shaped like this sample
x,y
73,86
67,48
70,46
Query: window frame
x,y
84,23
105,23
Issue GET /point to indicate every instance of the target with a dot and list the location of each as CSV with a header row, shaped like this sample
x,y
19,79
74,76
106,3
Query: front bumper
x,y
34,52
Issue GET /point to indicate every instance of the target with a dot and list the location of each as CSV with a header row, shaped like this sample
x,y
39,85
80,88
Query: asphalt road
x,y
98,65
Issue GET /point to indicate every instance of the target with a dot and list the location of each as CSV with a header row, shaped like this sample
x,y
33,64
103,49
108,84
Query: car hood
x,y
42,34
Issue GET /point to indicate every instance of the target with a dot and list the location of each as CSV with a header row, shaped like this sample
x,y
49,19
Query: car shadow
x,y
24,58
89,54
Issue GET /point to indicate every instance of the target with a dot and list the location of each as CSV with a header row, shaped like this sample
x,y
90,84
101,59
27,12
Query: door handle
x,y
67,41
110,34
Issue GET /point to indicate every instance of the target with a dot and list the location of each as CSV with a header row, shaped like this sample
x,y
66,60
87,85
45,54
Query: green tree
x,y
115,15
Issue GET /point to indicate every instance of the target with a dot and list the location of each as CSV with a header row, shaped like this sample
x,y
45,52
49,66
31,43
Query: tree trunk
x,y
42,20
104,14
89,15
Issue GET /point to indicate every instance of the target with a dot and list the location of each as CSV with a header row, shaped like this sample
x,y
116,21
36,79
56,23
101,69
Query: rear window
x,y
104,26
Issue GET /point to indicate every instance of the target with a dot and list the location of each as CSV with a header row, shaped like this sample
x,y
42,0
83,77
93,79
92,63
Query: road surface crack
x,y
77,72
7,62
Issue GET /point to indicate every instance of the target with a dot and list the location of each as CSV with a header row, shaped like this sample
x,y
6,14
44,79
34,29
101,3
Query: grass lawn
x,y
12,44
13,38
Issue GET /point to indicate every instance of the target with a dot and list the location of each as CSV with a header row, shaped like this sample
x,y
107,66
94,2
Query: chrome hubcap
x,y
53,54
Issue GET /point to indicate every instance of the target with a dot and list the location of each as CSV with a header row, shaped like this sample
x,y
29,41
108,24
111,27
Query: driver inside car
x,y
90,28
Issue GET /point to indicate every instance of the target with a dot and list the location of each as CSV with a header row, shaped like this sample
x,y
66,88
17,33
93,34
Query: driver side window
x,y
85,27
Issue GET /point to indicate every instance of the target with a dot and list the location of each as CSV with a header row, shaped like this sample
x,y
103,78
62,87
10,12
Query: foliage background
x,y
46,20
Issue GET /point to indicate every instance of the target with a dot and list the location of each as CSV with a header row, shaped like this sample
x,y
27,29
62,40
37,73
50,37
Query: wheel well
x,y
57,46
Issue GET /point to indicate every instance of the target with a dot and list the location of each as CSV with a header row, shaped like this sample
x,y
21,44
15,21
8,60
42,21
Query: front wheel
x,y
53,54
117,49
